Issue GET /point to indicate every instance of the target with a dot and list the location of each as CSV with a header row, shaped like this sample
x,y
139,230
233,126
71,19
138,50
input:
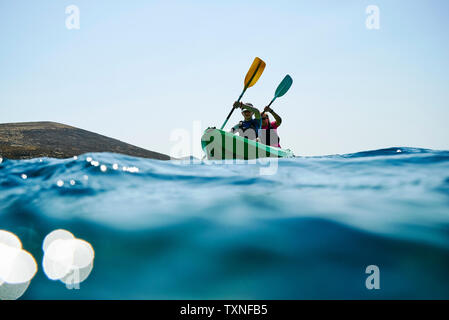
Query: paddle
x,y
282,88
254,73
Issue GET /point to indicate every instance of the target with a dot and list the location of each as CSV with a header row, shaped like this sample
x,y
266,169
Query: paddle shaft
x,y
271,102
232,110
247,84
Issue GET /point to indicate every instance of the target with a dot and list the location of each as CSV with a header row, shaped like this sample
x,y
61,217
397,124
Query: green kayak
x,y
221,145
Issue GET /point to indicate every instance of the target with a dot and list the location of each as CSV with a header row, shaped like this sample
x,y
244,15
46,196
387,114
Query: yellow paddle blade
x,y
254,72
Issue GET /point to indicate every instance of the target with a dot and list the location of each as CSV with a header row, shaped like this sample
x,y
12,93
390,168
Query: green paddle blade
x,y
283,86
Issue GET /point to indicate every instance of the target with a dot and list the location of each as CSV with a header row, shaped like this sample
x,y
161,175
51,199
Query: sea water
x,y
183,230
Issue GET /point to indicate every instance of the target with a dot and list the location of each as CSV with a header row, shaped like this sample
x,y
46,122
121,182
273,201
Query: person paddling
x,y
249,127
268,133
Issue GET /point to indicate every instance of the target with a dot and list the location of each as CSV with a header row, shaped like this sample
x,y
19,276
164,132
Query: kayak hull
x,y
221,145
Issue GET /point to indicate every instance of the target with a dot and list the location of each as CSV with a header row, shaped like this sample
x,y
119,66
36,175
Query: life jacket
x,y
252,126
266,135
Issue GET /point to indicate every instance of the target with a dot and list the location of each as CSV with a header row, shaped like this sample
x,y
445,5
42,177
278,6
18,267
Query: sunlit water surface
x,y
177,230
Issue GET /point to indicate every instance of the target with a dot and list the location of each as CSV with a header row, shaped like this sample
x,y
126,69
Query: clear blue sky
x,y
137,70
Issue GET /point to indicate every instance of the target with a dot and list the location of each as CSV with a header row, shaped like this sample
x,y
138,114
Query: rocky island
x,y
28,140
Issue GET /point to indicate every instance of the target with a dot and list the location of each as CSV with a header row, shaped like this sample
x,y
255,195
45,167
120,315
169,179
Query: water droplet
x,y
75,158
89,159
72,182
10,239
115,166
131,169
60,183
17,267
67,258
24,176
103,168
95,163
59,234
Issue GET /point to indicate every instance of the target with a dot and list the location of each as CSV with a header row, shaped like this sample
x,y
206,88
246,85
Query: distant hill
x,y
50,139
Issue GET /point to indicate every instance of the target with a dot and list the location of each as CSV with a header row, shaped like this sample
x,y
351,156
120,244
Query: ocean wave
x,y
196,229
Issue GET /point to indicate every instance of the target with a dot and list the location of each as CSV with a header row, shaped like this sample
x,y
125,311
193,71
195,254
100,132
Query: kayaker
x,y
268,133
249,126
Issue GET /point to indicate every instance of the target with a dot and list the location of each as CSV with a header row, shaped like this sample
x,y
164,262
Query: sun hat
x,y
248,104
